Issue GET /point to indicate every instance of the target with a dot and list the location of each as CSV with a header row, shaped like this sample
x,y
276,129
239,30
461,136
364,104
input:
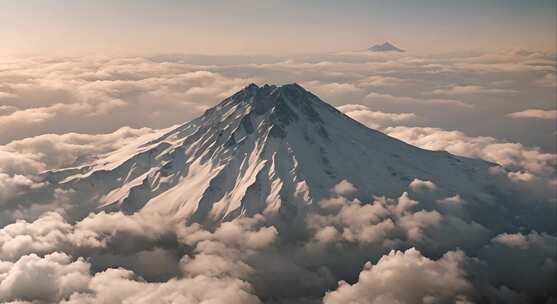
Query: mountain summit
x,y
271,150
385,47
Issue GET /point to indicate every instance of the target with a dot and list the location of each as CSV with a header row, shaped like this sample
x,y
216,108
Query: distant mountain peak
x,y
385,47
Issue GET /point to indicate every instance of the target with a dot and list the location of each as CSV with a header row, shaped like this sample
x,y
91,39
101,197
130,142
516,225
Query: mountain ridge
x,y
272,150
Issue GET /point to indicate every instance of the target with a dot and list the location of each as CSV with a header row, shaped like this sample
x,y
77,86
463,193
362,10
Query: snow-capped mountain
x,y
274,150
385,47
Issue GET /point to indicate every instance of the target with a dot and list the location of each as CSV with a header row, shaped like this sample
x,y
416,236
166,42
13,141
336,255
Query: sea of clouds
x,y
420,247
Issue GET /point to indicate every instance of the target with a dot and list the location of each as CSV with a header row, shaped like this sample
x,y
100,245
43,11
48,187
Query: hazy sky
x,y
271,26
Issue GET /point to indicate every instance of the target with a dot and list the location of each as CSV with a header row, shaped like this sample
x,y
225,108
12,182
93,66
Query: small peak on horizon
x,y
385,47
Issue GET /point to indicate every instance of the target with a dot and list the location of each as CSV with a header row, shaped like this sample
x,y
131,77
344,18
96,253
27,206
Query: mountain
x,y
385,47
274,150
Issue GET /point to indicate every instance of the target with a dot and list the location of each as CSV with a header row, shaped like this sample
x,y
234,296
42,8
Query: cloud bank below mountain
x,y
423,246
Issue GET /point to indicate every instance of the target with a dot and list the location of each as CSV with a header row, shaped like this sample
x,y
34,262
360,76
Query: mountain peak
x,y
270,95
279,105
289,87
271,150
252,86
385,47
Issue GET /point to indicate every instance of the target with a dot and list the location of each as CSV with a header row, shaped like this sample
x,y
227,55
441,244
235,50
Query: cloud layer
x,y
425,246
59,95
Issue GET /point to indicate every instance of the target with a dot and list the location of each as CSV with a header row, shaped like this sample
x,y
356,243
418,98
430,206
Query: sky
x,y
271,26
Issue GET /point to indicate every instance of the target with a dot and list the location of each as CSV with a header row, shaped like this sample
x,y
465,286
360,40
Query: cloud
x,y
123,286
6,95
5,110
29,116
344,187
11,186
381,81
535,113
332,88
375,119
60,95
352,221
419,185
515,256
512,240
513,156
51,233
375,97
452,200
50,279
408,277
391,222
456,90
213,269
54,95
57,278
21,162
334,92
52,151
230,262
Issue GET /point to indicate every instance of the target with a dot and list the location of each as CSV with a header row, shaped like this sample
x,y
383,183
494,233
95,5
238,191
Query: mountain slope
x,y
269,150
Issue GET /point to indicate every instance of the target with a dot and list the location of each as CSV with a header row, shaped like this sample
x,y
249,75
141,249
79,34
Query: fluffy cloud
x,y
51,151
393,223
381,81
122,286
22,160
353,223
332,88
408,277
513,156
58,95
344,187
56,278
470,89
213,270
535,113
454,200
51,233
10,186
247,233
375,119
54,95
407,100
418,185
230,262
48,279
